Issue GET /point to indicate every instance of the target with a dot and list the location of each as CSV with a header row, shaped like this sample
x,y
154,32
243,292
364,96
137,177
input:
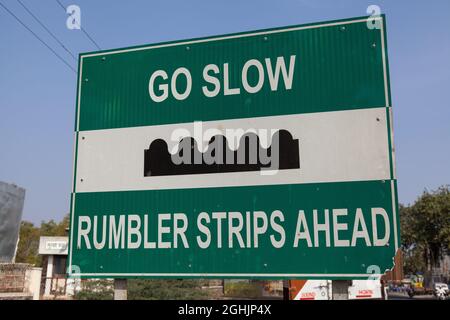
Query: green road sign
x,y
167,182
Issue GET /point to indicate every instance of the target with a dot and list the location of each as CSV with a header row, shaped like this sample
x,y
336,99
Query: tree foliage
x,y
95,289
28,244
141,289
27,250
425,228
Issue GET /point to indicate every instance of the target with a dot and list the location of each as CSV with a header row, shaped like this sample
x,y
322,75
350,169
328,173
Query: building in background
x,y
54,282
17,280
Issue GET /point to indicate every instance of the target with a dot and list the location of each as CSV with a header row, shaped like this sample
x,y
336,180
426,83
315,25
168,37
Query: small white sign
x,y
53,245
56,245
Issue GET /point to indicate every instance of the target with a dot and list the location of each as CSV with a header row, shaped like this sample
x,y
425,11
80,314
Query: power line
x,y
37,37
46,29
82,29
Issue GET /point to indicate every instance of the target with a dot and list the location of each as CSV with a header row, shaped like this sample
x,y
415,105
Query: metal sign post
x,y
120,289
340,289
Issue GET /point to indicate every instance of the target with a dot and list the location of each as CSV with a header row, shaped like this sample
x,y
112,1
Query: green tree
x,y
27,250
54,229
425,228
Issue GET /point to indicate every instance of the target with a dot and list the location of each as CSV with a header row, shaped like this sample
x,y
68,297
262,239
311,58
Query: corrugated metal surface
x,y
340,66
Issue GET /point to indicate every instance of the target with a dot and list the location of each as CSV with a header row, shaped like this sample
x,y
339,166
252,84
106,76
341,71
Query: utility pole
x,y
120,289
340,289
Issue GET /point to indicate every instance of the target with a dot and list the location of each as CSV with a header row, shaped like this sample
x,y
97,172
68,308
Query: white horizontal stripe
x,y
292,275
334,146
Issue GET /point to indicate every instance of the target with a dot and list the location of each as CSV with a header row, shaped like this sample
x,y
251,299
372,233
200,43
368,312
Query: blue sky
x,y
37,91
